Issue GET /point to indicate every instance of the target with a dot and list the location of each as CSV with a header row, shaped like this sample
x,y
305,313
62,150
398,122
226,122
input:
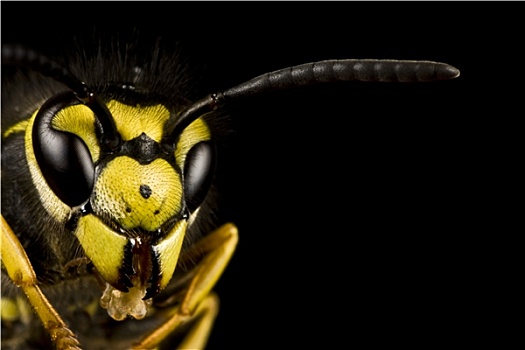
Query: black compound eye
x,y
198,173
63,157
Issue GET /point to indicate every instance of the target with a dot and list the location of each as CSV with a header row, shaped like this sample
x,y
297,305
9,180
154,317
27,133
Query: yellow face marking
x,y
18,127
138,196
54,206
195,132
132,121
169,250
80,121
102,245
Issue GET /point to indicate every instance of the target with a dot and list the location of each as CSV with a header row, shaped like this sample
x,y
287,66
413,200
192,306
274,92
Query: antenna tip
x,y
448,72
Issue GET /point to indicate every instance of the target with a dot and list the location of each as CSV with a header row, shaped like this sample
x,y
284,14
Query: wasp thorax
x,y
138,196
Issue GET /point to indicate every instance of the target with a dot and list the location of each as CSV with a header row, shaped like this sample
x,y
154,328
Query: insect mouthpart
x,y
138,278
133,268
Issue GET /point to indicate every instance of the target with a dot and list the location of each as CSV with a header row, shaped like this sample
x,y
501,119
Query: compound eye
x,y
63,157
199,168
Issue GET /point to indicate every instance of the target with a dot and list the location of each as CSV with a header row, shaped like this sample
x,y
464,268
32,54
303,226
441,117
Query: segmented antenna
x,y
344,70
21,56
366,70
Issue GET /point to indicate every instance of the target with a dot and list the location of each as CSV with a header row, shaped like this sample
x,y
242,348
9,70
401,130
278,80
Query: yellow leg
x,y
20,271
218,247
198,335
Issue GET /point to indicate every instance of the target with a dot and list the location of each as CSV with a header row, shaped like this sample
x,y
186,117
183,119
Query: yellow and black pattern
x,y
121,245
108,192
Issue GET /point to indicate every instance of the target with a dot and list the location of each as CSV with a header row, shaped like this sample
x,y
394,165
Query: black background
x,y
352,200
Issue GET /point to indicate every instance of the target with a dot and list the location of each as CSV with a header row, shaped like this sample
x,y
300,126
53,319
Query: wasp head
x,y
130,204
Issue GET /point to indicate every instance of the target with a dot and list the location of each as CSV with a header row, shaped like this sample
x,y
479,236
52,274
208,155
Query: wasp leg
x,y
218,247
20,271
198,335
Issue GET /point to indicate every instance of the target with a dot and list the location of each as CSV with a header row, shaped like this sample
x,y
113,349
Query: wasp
x,y
109,237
